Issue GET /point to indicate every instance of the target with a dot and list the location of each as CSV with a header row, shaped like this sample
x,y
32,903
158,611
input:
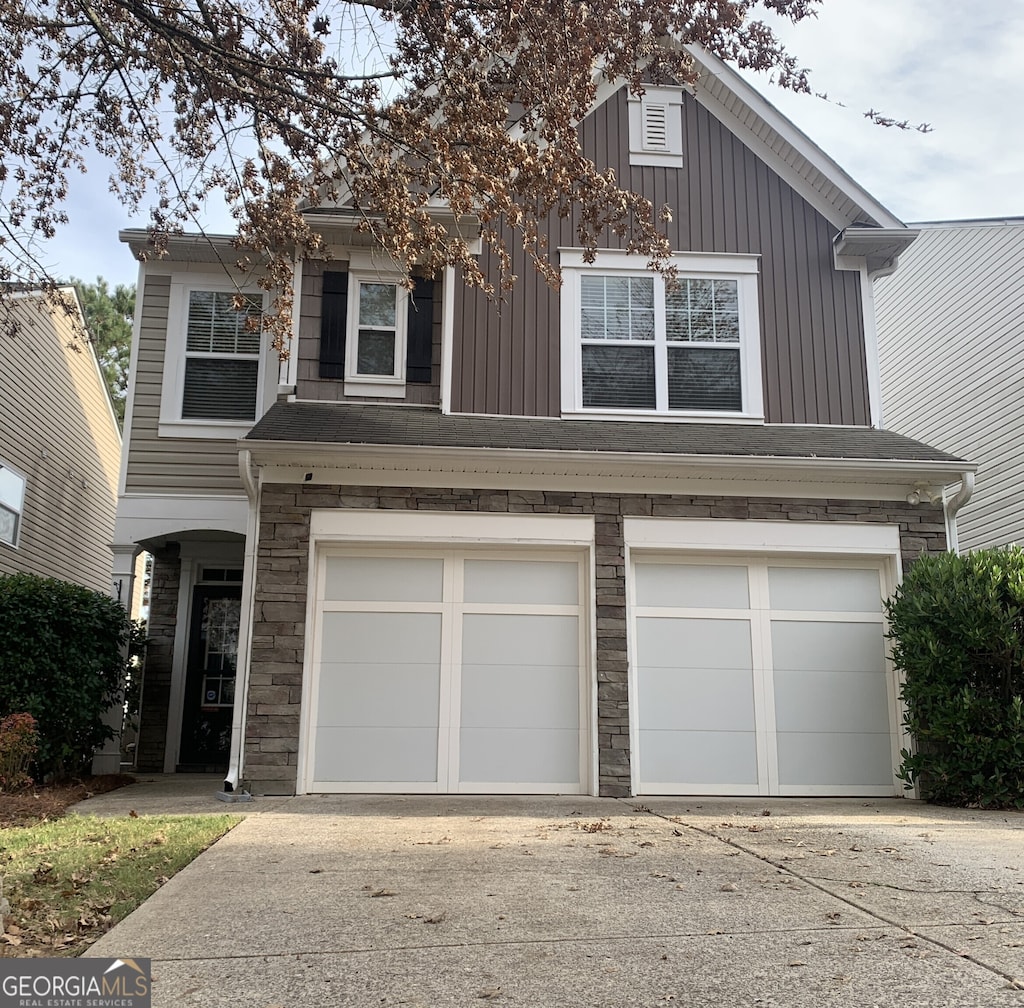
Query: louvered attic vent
x,y
656,128
655,118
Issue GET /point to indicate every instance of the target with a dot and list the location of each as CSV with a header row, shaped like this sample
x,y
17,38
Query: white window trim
x,y
718,266
393,385
662,155
172,424
19,511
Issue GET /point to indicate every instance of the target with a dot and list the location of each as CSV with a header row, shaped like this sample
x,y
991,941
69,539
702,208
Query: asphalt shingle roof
x,y
417,426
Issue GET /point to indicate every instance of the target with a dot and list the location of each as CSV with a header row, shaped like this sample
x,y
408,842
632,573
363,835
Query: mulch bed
x,y
51,801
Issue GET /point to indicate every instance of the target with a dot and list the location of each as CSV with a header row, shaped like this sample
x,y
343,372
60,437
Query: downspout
x,y
236,759
952,507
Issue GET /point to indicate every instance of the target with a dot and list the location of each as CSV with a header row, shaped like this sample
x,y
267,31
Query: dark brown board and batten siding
x,y
724,199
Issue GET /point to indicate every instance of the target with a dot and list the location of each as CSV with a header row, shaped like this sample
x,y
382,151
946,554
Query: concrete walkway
x,y
577,901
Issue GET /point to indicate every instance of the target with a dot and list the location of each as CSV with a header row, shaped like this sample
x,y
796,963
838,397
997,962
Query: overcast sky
x,y
957,66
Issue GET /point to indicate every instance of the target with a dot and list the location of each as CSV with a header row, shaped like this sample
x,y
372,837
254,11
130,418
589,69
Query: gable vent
x,y
655,126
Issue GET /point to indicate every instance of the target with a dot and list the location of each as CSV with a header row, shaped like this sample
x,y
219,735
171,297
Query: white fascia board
x,y
386,465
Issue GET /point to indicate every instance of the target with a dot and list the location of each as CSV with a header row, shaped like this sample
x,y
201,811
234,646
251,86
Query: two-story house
x,y
623,538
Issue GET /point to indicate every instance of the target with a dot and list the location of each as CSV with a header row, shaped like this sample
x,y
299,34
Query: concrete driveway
x,y
428,901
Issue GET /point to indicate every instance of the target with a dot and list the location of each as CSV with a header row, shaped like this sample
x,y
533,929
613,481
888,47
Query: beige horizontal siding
x,y
169,464
57,428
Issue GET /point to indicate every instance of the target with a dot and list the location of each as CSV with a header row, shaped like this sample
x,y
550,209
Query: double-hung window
x,y
638,344
222,356
214,372
378,311
12,503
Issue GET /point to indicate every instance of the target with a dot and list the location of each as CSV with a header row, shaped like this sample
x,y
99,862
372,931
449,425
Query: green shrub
x,y
19,743
62,661
957,623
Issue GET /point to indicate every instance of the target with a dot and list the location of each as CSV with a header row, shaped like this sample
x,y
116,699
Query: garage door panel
x,y
835,759
521,582
379,694
828,647
766,704
383,579
824,589
418,689
520,639
693,643
381,637
701,758
368,754
831,701
507,696
696,699
519,755
692,586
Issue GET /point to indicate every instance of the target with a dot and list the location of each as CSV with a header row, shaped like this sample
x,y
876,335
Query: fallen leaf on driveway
x,y
382,892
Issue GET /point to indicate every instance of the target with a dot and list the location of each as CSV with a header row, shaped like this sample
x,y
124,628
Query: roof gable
x,y
783,147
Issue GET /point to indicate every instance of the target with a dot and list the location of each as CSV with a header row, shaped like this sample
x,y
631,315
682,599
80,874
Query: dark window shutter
x,y
333,316
420,337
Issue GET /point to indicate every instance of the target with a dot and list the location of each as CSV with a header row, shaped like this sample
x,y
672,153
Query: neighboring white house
x,y
951,343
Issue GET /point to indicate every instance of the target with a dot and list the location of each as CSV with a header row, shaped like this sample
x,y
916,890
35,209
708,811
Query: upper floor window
x,y
376,334
222,357
12,503
378,311
638,345
214,371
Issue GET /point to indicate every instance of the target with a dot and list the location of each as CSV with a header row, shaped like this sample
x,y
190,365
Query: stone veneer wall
x,y
156,678
275,694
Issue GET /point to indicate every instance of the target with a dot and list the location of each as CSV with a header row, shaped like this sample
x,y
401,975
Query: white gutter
x,y
236,758
333,455
953,506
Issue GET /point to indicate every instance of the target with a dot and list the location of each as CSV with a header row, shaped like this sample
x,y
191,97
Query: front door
x,y
210,679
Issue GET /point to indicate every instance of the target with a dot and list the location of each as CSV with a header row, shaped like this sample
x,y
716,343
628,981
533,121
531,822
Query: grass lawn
x,y
68,880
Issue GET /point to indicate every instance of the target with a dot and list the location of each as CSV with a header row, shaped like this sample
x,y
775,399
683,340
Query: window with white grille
x,y
636,344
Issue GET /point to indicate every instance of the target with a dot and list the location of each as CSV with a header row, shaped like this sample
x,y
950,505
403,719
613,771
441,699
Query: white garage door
x,y
761,677
447,671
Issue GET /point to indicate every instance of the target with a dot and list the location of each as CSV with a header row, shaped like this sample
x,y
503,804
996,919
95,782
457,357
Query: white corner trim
x,y
447,336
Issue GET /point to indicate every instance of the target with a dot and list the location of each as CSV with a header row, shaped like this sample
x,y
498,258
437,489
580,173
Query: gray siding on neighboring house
x,y
309,384
58,430
951,343
724,199
163,464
